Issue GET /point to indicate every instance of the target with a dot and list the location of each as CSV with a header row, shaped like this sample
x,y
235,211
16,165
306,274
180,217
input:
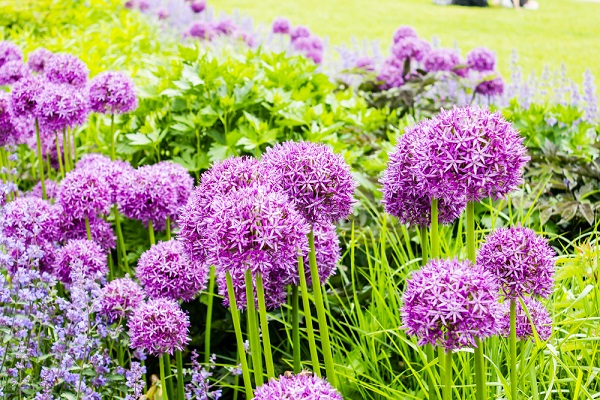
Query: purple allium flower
x,y
391,73
402,196
84,194
404,32
165,271
539,316
299,32
36,60
12,72
492,86
225,27
130,4
111,171
81,255
411,47
74,228
112,93
316,179
470,152
51,189
9,52
67,69
201,29
306,44
143,5
522,261
7,127
198,6
365,63
303,386
481,59
256,228
159,326
25,95
119,298
162,13
449,303
62,106
282,25
441,60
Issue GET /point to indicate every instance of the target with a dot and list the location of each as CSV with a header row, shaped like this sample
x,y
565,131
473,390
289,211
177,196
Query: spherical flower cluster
x,y
411,47
12,72
37,59
402,196
66,69
51,189
392,73
9,52
112,93
165,271
522,261
25,95
7,128
404,32
311,47
159,326
441,60
162,13
481,59
493,86
225,27
119,298
82,193
81,255
201,30
299,32
303,386
282,25
112,172
100,230
540,317
256,228
61,106
198,6
450,303
470,152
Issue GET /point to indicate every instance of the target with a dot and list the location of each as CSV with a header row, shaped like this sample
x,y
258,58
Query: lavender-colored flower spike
x,y
282,25
36,60
411,47
441,60
491,87
316,179
119,299
522,261
159,326
165,271
481,59
539,316
67,69
84,194
258,229
449,303
62,106
470,152
404,32
74,228
303,386
590,98
12,72
402,196
299,32
85,256
112,93
25,95
9,52
198,6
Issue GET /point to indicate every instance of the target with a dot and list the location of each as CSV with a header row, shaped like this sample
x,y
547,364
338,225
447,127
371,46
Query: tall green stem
x,y
168,378
434,230
88,230
180,388
151,233
264,326
255,350
121,239
235,316
168,228
447,392
209,311
40,158
310,332
163,385
320,306
513,349
66,150
59,156
296,329
113,151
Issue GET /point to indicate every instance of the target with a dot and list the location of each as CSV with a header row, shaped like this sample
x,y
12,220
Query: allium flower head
x,y
36,60
112,93
256,228
481,59
404,32
411,47
539,316
165,271
441,60
201,30
522,261
25,95
12,72
316,179
51,189
282,25
492,86
159,326
162,13
198,6
303,386
298,32
449,303
111,171
225,27
391,73
85,256
402,196
84,194
119,298
470,152
7,127
61,106
67,69
74,228
306,44
9,52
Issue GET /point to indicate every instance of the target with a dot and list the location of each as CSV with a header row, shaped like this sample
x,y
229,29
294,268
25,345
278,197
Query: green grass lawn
x,y
560,31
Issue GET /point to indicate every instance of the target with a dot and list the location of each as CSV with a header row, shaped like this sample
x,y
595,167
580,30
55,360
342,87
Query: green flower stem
x,y
447,393
180,388
253,333
40,158
168,228
296,330
434,231
120,240
66,146
264,326
314,356
151,233
209,311
430,382
163,386
58,155
320,306
235,316
88,231
513,349
113,151
168,378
